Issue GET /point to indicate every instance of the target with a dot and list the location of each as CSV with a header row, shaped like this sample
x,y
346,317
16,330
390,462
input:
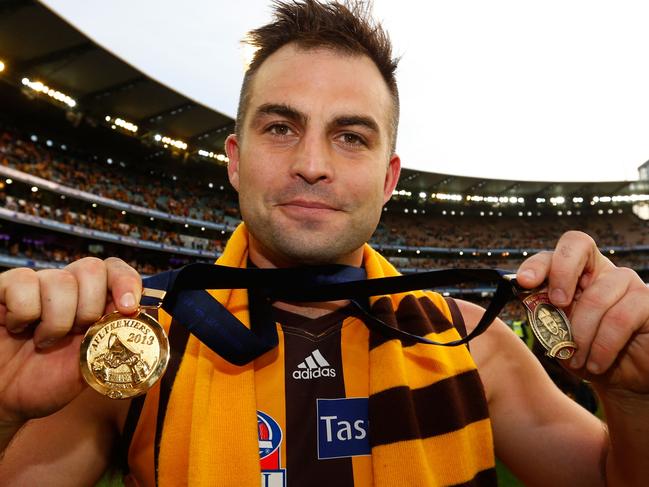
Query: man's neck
x,y
265,259
309,310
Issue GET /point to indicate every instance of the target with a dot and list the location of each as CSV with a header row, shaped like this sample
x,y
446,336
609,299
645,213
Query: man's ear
x,y
391,177
232,151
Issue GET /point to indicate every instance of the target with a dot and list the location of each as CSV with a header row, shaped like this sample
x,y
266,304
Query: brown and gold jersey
x,y
334,403
312,406
314,391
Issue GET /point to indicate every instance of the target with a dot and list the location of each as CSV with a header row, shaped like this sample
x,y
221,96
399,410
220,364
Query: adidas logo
x,y
314,367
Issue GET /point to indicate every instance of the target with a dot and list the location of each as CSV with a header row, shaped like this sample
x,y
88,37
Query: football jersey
x,y
312,406
311,394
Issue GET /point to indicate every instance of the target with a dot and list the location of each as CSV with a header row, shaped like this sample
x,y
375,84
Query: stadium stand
x,y
48,183
217,210
64,184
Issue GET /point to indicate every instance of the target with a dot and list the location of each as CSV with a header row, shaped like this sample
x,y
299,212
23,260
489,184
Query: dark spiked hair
x,y
310,24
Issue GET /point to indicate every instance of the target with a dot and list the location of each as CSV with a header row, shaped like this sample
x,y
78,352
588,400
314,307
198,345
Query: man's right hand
x,y
43,316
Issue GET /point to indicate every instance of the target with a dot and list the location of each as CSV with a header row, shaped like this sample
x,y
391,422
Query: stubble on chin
x,y
308,245
288,241
313,243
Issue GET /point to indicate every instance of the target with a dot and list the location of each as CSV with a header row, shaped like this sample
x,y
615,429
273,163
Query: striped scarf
x,y
427,411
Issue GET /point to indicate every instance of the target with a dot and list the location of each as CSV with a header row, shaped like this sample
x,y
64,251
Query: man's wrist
x,y
627,418
624,401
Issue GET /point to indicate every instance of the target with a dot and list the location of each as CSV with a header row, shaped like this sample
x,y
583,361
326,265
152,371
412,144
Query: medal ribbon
x,y
209,321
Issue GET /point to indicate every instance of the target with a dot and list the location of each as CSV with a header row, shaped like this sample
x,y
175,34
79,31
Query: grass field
x,y
506,478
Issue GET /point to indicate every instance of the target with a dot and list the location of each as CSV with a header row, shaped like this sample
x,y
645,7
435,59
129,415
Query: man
x,y
313,161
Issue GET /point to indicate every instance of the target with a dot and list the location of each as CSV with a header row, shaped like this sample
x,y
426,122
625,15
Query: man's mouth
x,y
308,209
308,204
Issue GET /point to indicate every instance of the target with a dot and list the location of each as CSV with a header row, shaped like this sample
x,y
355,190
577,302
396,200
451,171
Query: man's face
x,y
313,168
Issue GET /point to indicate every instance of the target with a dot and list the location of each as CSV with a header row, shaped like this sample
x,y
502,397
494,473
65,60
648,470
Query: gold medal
x,y
123,356
550,325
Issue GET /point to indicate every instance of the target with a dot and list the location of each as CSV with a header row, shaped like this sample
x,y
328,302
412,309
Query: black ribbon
x,y
209,321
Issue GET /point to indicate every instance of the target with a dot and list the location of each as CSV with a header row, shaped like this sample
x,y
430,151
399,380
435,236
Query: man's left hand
x,y
608,307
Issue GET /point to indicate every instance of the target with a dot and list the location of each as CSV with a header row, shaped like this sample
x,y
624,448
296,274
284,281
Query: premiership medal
x,y
550,325
123,356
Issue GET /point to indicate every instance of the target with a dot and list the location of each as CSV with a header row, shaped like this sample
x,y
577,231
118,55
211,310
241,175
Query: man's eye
x,y
352,139
279,129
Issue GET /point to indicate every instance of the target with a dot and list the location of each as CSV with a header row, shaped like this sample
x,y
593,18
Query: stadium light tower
x,y
643,171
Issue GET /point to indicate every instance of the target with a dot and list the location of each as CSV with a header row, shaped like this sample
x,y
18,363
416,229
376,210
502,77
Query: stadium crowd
x,y
188,198
94,219
535,232
195,199
52,248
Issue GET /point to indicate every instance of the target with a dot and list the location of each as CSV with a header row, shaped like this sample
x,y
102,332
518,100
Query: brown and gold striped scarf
x,y
428,416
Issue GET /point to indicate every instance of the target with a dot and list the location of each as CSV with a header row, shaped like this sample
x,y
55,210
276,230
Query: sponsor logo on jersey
x,y
314,367
343,427
270,439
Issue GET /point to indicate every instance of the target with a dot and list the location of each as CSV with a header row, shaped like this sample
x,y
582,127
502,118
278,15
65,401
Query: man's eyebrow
x,y
282,110
349,120
287,111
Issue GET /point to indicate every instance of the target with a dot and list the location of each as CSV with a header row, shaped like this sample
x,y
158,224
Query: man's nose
x,y
312,161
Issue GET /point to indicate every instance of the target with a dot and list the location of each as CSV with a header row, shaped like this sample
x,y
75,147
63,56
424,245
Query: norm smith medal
x,y
550,325
123,356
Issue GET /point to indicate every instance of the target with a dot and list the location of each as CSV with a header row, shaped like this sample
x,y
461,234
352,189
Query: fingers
x,y
60,299
533,271
576,254
49,296
618,325
19,299
574,262
92,277
125,285
58,292
599,300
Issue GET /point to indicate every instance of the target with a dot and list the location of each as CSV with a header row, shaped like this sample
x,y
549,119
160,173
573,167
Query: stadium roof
x,y
416,181
36,43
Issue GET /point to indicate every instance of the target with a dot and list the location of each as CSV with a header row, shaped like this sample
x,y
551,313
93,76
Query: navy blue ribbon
x,y
209,321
